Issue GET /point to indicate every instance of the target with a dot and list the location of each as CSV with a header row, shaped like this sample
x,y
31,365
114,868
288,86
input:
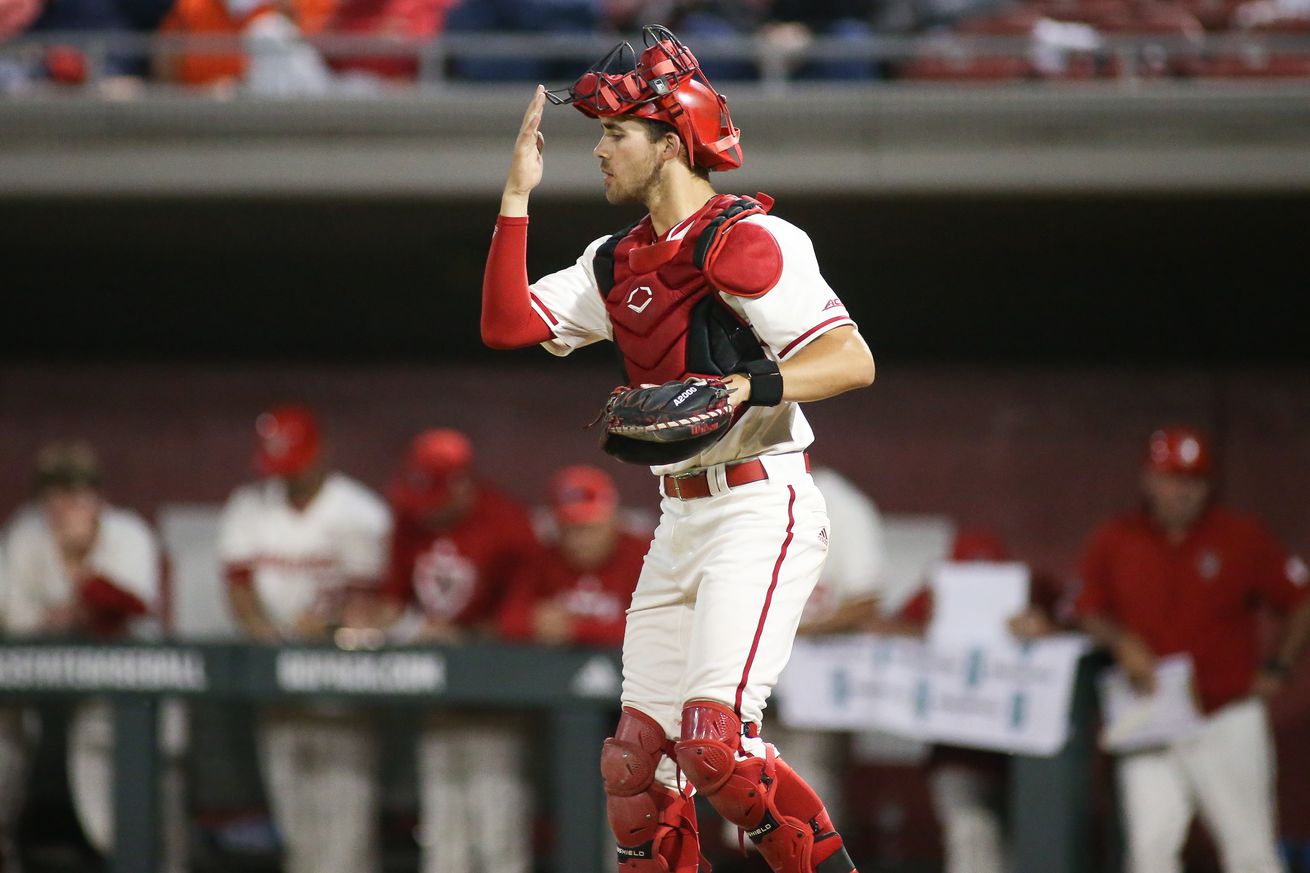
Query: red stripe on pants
x,y
768,599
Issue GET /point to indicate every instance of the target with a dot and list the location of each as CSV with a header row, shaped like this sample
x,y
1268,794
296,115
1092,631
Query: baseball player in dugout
x,y
725,326
577,586
78,567
457,544
1184,575
296,547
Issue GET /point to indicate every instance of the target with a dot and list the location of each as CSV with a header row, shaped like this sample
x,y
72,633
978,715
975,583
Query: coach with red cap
x,y
457,543
1185,575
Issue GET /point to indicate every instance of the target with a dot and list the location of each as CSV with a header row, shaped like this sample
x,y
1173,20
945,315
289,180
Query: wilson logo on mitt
x,y
663,424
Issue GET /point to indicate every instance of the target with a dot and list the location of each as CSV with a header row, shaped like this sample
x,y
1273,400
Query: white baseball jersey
x,y
125,553
799,309
303,559
855,548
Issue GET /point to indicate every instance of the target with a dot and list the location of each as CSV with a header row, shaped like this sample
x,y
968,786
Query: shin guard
x,y
779,812
654,826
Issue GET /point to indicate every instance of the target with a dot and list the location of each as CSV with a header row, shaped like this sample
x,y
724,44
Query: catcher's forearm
x,y
508,320
836,362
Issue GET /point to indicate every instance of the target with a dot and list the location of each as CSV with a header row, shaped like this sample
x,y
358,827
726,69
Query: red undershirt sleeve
x,y
508,319
108,605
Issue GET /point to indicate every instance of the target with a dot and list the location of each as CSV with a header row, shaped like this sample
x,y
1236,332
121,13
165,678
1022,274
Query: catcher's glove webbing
x,y
664,424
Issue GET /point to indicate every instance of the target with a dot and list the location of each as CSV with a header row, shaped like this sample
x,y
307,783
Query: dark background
x,y
1026,346
1076,279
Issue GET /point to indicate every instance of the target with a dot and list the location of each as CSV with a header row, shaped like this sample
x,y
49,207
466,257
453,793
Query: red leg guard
x,y
779,812
654,826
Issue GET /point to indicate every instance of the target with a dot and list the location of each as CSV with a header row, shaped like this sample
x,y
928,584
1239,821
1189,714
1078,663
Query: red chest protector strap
x,y
707,242
711,238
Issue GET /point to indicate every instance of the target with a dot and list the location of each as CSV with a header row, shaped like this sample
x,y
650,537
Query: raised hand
x,y
525,169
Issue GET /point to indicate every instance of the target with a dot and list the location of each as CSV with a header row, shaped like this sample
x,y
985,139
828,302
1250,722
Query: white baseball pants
x,y
13,781
721,594
1226,771
474,798
322,782
90,764
972,837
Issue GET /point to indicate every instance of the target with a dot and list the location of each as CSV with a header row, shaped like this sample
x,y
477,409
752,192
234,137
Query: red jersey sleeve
x,y
508,319
1095,569
108,605
399,582
1280,578
515,619
918,609
595,632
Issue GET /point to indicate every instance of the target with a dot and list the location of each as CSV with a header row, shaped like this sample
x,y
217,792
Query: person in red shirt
x,y
456,544
457,541
1185,575
577,588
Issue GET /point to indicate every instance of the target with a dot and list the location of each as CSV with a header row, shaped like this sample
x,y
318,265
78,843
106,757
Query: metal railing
x,y
1124,57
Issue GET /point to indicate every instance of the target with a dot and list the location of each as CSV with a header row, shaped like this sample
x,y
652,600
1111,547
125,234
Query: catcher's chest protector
x,y
652,289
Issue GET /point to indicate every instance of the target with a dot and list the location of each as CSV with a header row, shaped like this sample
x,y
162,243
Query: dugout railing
x,y
576,691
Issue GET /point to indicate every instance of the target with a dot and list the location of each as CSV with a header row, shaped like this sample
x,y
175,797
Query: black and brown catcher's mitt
x,y
664,424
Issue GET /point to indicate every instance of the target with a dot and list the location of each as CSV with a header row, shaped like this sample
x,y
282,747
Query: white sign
x,y
388,673
1006,695
973,601
101,668
1136,721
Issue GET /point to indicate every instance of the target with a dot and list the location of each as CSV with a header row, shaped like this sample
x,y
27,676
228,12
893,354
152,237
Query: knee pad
x,y
654,826
763,796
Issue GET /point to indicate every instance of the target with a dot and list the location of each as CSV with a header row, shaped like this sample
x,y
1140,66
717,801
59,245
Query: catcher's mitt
x,y
664,424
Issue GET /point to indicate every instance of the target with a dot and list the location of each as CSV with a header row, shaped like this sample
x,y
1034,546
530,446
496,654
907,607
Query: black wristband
x,y
766,382
1277,667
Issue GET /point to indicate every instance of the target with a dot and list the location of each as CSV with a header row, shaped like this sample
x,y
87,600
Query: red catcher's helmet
x,y
582,495
436,458
288,441
978,544
665,84
1179,450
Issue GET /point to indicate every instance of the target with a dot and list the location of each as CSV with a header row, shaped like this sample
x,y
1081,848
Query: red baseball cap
x,y
582,495
1183,450
288,441
436,457
978,544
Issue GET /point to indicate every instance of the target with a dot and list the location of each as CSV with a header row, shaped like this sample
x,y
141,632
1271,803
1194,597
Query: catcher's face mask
x,y
664,84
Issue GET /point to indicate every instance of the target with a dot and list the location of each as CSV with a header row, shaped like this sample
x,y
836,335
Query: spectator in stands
x,y
541,17
1186,575
274,58
415,20
968,785
703,21
457,544
16,16
295,546
575,589
847,21
77,566
121,72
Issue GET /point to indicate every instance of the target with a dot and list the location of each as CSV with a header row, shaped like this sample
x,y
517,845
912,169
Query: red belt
x,y
691,486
